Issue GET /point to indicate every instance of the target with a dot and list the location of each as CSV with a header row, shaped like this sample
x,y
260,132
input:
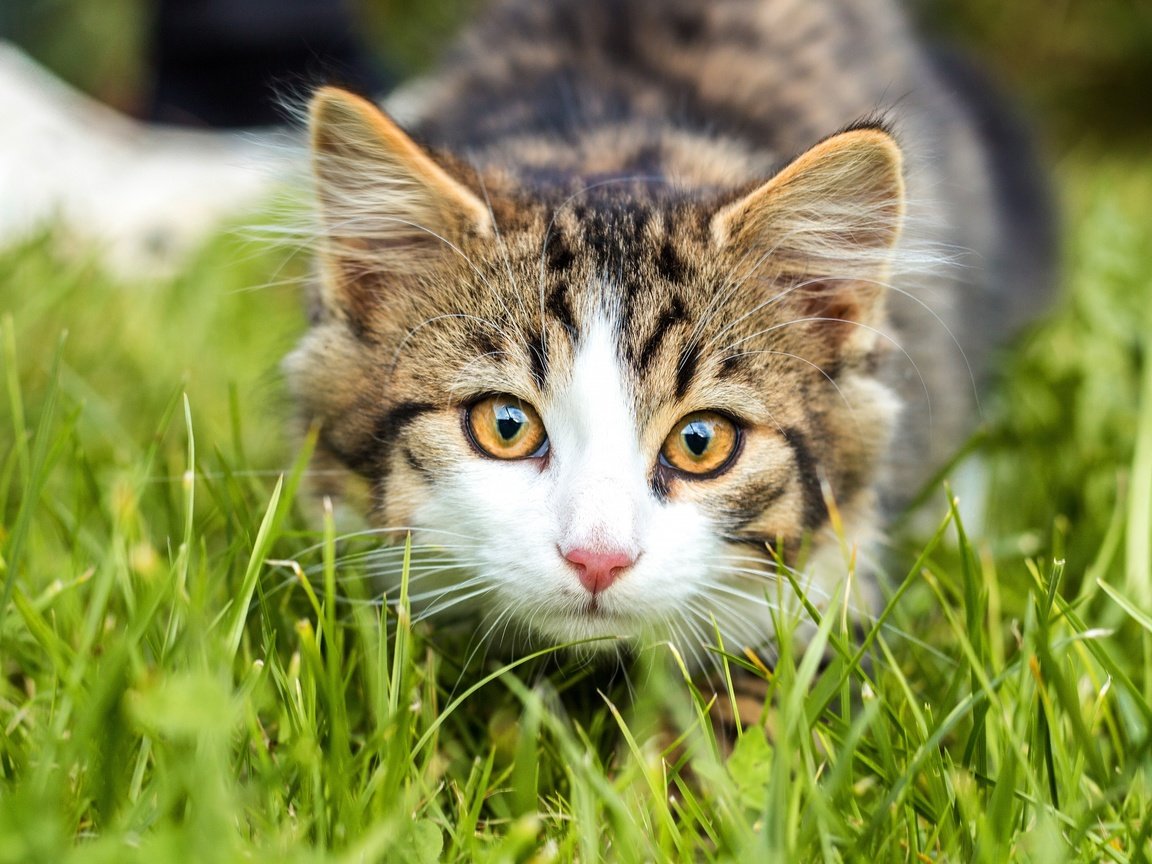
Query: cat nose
x,y
599,569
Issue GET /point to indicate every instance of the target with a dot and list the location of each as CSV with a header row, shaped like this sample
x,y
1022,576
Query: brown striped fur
x,y
711,176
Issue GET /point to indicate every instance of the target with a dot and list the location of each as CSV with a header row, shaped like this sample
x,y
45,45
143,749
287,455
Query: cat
x,y
654,300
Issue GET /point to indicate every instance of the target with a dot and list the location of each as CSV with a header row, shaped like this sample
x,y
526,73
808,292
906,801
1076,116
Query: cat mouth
x,y
597,610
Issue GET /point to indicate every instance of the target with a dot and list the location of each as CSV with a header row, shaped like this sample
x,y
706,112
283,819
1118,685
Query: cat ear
x,y
388,207
825,227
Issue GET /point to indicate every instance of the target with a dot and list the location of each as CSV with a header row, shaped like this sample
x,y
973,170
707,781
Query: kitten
x,y
672,296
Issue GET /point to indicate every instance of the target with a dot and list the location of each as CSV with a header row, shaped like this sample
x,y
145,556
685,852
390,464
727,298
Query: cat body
x,y
673,294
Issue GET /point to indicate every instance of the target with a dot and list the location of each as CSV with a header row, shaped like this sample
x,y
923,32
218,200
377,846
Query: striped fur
x,y
615,186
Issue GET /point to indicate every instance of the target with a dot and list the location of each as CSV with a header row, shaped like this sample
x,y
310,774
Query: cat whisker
x,y
766,561
859,615
771,579
291,581
484,641
695,644
457,585
503,251
517,620
719,298
883,335
391,529
370,557
722,593
769,561
198,473
445,316
944,326
434,604
439,607
395,566
725,593
817,367
773,300
422,554
424,574
417,550
461,383
336,229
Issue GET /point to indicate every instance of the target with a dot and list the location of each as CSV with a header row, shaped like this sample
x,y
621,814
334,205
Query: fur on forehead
x,y
412,236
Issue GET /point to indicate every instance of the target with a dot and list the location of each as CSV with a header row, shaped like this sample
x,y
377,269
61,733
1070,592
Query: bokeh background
x,y
1082,68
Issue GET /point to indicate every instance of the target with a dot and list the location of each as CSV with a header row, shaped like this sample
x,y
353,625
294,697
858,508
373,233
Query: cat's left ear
x,y
825,226
387,203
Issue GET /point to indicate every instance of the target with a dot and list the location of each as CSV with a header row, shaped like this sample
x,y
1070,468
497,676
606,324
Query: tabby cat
x,y
672,296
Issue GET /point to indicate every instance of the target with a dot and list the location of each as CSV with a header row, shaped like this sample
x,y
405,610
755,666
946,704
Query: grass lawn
x,y
171,690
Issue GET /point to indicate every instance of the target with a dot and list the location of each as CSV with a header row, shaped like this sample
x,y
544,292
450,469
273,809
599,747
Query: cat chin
x,y
561,628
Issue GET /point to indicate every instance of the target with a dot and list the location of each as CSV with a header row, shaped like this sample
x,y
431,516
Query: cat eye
x,y
701,443
503,427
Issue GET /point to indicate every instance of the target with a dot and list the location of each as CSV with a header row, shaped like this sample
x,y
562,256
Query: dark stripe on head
x,y
538,358
733,364
630,289
687,26
832,369
672,316
670,266
815,510
599,236
559,307
686,370
647,159
640,219
365,460
485,344
613,233
359,329
558,257
390,424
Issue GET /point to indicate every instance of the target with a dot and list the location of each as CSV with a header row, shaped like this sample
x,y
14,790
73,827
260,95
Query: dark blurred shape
x,y
224,63
1020,181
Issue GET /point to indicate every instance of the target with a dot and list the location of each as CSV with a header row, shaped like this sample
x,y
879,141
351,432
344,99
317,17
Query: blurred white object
x,y
142,195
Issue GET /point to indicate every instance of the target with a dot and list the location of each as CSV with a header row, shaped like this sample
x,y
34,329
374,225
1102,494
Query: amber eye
x,y
703,442
506,428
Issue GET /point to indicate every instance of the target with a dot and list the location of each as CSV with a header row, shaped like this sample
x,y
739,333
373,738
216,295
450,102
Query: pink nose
x,y
598,570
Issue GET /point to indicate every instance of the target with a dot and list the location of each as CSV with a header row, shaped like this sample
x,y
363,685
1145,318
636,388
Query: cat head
x,y
621,405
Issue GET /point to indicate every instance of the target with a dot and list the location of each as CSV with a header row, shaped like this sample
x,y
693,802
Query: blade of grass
x,y
37,473
243,601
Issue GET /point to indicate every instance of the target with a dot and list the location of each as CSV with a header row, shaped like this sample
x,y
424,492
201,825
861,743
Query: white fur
x,y
145,195
593,493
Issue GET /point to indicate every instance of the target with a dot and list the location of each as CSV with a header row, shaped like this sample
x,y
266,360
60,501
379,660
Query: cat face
x,y
621,405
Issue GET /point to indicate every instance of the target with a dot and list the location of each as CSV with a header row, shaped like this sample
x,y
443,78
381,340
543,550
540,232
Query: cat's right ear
x,y
388,206
827,224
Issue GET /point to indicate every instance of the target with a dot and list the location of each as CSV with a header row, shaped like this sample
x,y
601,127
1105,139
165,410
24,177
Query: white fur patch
x,y
602,495
594,492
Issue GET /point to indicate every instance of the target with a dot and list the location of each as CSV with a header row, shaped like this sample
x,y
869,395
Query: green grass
x,y
169,692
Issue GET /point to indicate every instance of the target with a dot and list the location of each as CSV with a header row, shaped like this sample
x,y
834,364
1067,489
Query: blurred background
x,y
1083,69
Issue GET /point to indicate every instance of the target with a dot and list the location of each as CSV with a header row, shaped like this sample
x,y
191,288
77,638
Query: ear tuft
x,y
846,193
380,193
822,232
